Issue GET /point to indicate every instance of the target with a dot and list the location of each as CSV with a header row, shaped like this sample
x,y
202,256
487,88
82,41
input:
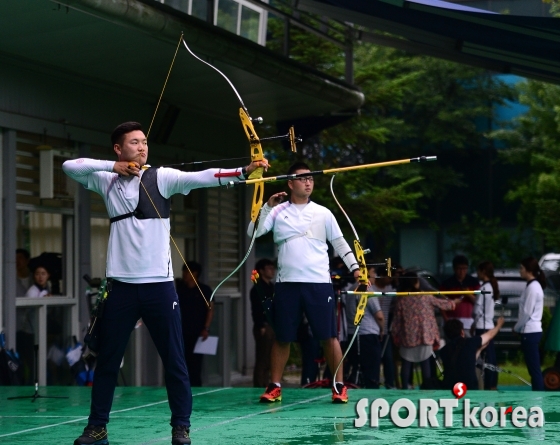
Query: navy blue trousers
x,y
530,348
158,306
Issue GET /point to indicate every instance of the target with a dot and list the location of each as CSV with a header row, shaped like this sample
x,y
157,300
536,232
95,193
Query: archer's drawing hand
x,y
127,168
276,199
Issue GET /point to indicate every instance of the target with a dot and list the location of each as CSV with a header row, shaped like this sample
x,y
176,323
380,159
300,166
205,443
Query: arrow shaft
x,y
411,294
332,171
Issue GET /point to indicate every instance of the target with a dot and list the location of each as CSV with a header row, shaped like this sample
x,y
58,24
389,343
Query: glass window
x,y
249,27
199,9
228,11
181,5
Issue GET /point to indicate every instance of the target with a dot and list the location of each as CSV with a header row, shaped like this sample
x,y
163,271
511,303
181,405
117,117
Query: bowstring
x,y
147,194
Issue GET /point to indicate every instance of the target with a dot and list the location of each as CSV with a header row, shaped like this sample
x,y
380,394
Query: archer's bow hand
x,y
356,274
276,199
257,164
127,168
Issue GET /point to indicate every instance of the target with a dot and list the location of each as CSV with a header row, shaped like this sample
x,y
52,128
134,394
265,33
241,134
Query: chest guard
x,y
145,208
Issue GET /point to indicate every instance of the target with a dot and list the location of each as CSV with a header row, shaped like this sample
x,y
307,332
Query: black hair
x,y
487,268
193,266
298,166
118,133
452,328
24,252
460,260
36,266
532,265
262,263
408,283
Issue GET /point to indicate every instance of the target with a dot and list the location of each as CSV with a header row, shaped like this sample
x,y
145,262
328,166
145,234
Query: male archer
x,y
301,230
140,271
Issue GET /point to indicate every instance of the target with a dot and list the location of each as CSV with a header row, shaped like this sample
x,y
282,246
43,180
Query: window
x,y
238,16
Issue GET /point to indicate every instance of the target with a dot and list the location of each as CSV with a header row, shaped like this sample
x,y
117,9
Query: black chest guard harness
x,y
145,208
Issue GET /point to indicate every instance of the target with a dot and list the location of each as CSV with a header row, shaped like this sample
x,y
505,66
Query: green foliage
x,y
483,239
414,106
534,142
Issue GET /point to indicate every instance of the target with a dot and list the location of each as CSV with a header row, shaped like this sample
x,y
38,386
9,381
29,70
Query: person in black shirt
x,y
262,330
196,317
460,353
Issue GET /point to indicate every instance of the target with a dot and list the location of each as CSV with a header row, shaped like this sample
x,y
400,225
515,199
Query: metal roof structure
x,y
525,46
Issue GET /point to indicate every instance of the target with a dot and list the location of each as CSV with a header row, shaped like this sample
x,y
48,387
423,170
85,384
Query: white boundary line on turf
x,y
243,417
112,412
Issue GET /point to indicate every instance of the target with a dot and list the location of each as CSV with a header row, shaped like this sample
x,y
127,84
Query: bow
x,y
363,282
256,155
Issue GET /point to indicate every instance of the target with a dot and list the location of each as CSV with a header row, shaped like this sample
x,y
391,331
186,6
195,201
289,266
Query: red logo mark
x,y
509,410
459,390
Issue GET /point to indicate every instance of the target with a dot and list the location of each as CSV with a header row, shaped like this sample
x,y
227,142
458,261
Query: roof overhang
x,y
129,44
525,46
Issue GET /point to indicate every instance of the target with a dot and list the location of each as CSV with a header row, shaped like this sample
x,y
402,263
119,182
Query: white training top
x,y
483,310
139,250
301,233
530,309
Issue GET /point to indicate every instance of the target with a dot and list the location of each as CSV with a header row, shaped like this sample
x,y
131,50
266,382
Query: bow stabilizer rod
x,y
332,171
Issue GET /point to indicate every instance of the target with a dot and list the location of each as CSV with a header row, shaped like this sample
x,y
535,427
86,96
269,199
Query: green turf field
x,y
233,416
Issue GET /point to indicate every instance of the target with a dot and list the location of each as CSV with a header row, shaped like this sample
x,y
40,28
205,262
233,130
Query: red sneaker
x,y
272,394
340,395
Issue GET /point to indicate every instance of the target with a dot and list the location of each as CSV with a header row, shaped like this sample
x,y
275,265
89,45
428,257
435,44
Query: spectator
x,y
483,314
530,314
262,290
196,316
464,304
366,350
40,286
24,280
384,283
460,353
415,329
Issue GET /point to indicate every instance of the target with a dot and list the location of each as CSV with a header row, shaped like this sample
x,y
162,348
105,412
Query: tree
x,y
534,141
484,239
414,106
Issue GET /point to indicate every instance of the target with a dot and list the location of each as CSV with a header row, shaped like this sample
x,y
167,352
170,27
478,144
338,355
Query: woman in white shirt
x,y
40,287
483,314
529,321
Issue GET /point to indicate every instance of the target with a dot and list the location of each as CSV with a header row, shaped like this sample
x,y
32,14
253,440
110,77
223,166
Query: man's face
x,y
190,279
461,271
21,262
301,187
269,272
133,148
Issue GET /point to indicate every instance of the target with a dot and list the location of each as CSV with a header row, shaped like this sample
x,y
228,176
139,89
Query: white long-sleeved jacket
x,y
138,250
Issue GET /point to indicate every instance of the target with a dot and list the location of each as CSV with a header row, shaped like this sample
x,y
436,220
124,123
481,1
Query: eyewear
x,y
304,179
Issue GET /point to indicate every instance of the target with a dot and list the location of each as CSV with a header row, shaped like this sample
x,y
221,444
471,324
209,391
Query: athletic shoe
x,y
272,394
341,396
180,435
93,435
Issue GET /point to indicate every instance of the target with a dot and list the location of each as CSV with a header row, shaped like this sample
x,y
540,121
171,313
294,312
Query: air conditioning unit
x,y
53,182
